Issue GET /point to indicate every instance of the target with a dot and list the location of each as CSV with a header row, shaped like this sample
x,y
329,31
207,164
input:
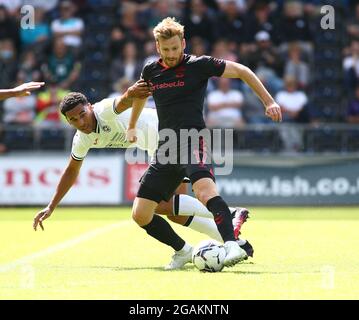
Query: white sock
x,y
185,248
206,226
209,228
185,205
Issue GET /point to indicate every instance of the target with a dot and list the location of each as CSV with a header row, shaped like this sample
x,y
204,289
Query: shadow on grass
x,y
190,267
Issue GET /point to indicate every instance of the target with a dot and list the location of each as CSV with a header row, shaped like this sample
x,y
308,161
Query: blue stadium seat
x,y
52,139
323,139
19,139
258,140
352,140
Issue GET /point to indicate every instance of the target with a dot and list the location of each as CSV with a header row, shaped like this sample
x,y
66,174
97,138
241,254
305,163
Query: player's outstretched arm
x,y
139,90
237,70
20,91
137,108
67,180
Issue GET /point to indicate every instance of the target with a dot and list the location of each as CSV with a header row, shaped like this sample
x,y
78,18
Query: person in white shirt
x,y
292,102
105,125
68,26
224,105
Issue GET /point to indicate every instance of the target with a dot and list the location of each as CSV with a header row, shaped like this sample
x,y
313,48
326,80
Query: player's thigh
x,y
166,207
160,182
182,188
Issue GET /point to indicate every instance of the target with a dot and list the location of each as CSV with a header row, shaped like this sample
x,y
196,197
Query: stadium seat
x,y
323,139
327,37
328,73
327,54
260,140
328,91
351,137
19,139
102,3
52,139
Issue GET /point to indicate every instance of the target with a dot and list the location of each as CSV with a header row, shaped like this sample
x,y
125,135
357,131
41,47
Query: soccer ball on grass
x,y
208,256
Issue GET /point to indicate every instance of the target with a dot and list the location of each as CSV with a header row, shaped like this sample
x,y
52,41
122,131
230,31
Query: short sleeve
x,y
211,67
79,147
145,75
106,108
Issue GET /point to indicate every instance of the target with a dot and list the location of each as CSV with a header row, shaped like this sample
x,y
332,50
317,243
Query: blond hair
x,y
168,28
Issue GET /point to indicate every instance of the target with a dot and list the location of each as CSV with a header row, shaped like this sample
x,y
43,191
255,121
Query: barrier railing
x,y
270,138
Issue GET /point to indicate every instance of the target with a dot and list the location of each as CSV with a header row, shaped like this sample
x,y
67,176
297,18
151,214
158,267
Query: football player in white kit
x,y
105,125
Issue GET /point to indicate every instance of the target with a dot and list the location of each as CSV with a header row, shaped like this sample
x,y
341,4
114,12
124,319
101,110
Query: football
x,y
208,256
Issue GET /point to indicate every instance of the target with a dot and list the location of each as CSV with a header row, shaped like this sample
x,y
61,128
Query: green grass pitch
x,y
99,253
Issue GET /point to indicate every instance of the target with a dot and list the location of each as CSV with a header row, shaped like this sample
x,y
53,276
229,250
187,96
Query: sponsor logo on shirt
x,y
166,85
106,128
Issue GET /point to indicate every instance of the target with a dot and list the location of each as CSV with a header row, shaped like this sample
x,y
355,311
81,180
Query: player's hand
x,y
26,88
40,217
131,135
274,112
140,90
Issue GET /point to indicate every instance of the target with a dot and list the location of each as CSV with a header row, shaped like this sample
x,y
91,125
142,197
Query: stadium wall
x,y
30,179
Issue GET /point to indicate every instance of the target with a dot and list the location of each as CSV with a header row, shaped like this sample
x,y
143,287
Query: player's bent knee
x,y
141,218
141,213
203,197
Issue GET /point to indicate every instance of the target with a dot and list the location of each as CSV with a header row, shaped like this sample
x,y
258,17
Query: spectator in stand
x,y
61,68
47,111
198,47
351,66
68,26
46,6
261,20
29,67
39,35
198,23
129,23
294,26
117,40
128,65
352,27
19,110
253,108
231,26
353,108
8,27
221,50
12,6
8,63
161,9
224,106
295,67
120,87
293,103
150,52
266,62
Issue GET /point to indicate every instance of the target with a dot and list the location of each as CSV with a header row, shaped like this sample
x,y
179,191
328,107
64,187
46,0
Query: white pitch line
x,y
62,246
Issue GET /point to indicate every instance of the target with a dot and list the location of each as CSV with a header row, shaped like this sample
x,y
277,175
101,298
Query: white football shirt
x,y
111,130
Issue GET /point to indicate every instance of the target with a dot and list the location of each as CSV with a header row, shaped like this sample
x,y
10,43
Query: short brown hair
x,y
168,28
72,100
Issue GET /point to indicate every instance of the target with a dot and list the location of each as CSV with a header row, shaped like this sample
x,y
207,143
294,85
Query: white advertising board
x,y
32,180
